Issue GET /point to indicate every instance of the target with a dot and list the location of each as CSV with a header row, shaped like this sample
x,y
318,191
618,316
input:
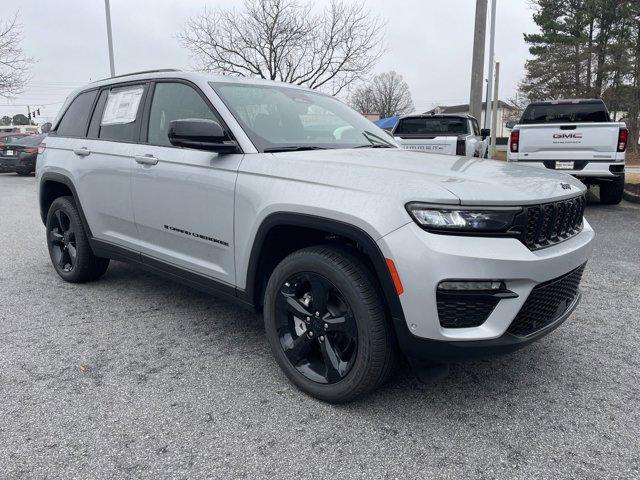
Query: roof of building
x,y
465,107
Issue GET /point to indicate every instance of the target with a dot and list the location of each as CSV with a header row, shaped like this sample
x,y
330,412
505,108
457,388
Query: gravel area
x,y
134,376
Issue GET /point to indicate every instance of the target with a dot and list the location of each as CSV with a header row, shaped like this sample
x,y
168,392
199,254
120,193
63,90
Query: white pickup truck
x,y
445,134
576,137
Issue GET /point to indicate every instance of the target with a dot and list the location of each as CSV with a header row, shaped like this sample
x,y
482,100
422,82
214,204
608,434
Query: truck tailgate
x,y
445,145
585,141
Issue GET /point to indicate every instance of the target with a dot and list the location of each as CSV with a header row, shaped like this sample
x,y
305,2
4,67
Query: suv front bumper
x,y
423,260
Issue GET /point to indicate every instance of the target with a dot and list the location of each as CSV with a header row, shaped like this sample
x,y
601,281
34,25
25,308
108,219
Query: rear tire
x,y
23,173
611,192
69,248
373,357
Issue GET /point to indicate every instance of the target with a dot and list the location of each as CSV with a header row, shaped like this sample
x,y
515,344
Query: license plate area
x,y
565,165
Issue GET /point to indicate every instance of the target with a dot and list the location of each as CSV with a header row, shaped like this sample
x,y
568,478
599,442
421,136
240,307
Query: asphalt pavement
x,y
134,376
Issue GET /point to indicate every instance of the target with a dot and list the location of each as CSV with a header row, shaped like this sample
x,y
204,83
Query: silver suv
x,y
286,201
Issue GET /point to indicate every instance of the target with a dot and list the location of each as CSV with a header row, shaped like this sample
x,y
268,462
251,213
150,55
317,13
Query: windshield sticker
x,y
122,106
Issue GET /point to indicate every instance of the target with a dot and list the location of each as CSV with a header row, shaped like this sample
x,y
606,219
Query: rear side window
x,y
566,113
119,117
74,120
431,126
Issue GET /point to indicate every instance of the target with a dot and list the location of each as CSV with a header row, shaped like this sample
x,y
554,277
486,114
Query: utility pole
x,y
494,113
492,42
477,65
109,38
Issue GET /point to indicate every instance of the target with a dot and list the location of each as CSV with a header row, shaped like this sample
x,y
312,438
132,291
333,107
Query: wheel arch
x,y
313,228
54,185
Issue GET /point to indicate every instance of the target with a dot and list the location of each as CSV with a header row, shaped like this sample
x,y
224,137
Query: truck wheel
x,y
23,172
68,245
611,192
326,324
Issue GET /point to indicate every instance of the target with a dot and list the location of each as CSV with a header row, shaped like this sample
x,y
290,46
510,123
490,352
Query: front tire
x,y
326,324
69,248
611,192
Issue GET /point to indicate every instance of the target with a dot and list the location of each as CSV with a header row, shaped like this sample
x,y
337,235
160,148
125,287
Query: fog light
x,y
472,286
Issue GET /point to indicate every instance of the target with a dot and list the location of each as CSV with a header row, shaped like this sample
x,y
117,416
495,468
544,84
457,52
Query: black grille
x,y
553,223
546,303
460,310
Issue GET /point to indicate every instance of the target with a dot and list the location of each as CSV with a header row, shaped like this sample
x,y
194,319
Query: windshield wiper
x,y
295,148
375,145
373,138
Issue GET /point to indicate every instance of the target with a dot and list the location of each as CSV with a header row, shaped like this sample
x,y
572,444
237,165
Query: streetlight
x,y
109,38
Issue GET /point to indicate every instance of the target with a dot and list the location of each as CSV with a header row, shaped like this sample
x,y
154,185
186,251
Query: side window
x,y
174,101
476,127
74,121
118,120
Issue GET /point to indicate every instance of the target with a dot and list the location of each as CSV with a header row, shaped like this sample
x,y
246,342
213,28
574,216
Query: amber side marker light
x,y
394,276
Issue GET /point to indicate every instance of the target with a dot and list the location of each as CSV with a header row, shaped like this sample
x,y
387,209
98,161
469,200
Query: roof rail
x,y
159,70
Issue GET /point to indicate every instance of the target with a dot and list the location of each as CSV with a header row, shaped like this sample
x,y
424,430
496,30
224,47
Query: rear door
x,y
105,162
183,198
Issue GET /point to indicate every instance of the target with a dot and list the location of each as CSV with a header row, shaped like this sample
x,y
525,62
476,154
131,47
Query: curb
x,y
630,197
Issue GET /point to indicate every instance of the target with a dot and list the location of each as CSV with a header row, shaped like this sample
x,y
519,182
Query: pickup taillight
x,y
514,141
623,136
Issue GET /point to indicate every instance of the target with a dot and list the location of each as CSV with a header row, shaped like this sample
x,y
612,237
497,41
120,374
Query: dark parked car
x,y
20,155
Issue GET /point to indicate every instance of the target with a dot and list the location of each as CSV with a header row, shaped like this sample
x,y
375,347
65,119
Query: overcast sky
x,y
428,42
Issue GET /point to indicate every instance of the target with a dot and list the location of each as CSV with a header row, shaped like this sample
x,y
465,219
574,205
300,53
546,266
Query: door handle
x,y
82,152
147,160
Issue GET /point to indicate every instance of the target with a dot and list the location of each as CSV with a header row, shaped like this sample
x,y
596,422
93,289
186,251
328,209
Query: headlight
x,y
461,219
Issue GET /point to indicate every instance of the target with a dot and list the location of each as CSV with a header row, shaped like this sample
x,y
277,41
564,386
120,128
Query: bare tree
x,y
387,95
286,40
363,99
14,65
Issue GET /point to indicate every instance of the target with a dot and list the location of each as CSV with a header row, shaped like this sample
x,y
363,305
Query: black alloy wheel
x,y
326,324
316,328
62,239
68,244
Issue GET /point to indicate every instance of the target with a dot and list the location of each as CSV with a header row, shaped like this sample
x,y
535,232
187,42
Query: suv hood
x,y
427,177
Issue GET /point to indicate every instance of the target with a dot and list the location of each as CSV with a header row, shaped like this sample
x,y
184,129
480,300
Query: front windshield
x,y
278,118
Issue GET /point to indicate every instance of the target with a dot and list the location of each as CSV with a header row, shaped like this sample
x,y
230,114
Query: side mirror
x,y
200,133
485,132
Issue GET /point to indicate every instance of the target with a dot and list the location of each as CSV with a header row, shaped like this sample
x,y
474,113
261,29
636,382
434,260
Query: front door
x,y
183,199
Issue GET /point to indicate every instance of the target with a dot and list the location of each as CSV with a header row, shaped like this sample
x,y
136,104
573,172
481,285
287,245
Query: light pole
x,y
109,38
477,65
492,42
494,113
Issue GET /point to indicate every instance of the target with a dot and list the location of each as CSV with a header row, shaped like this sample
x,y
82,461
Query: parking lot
x,y
134,376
